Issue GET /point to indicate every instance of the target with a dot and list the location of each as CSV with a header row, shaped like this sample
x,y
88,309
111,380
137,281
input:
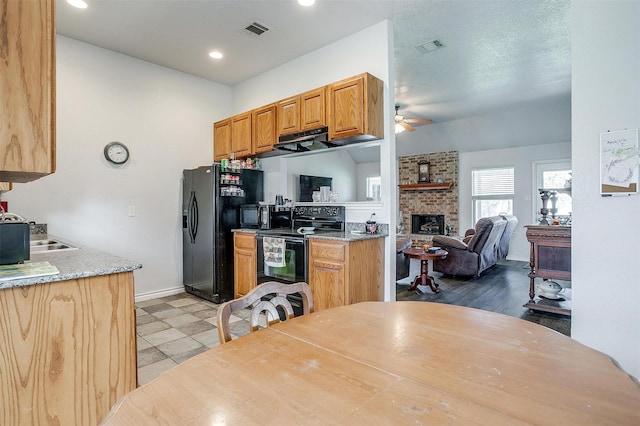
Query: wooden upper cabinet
x,y
351,108
289,115
27,90
221,139
232,135
264,128
312,109
5,186
355,107
241,135
302,112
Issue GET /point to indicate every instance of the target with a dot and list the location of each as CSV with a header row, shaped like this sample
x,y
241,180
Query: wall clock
x,y
423,172
116,152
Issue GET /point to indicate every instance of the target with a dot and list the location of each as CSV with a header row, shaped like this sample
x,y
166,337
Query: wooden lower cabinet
x,y
244,263
67,350
343,273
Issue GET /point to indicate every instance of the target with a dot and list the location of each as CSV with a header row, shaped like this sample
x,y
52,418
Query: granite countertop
x,y
73,264
336,236
347,236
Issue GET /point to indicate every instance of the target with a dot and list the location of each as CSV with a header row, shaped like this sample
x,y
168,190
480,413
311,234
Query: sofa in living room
x,y
480,249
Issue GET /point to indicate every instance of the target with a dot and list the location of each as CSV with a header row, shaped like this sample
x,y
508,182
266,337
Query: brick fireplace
x,y
429,201
427,224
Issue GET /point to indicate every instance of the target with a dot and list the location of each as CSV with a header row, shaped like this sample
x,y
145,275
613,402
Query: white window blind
x,y
488,182
492,192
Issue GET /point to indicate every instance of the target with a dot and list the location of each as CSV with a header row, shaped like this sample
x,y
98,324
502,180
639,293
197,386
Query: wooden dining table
x,y
390,363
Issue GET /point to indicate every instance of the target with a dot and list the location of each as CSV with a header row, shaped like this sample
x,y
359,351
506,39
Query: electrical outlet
x,y
132,211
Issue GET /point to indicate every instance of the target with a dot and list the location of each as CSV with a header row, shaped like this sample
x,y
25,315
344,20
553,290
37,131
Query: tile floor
x,y
172,329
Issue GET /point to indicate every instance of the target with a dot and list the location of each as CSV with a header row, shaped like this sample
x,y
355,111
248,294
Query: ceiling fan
x,y
402,123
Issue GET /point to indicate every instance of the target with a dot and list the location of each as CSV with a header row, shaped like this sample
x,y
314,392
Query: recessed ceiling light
x,y
216,55
306,2
80,4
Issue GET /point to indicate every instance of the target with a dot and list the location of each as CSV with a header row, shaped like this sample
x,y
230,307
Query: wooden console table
x,y
550,258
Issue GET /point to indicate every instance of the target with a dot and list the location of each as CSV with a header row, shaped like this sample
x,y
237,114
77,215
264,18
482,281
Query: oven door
x,y
293,271
295,261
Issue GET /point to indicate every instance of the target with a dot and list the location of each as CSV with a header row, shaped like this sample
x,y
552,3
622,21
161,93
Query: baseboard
x,y
159,293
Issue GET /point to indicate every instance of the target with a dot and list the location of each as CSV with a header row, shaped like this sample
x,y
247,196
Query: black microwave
x,y
274,217
250,216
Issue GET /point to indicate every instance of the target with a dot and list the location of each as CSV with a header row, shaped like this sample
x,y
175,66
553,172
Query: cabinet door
x,y
5,186
27,90
221,139
68,350
312,109
354,108
264,128
241,135
327,273
346,100
289,116
244,263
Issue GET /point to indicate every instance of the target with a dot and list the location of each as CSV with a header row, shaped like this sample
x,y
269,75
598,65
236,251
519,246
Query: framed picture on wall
x,y
423,172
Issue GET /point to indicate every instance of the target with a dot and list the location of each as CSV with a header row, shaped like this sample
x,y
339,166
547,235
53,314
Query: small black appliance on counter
x,y
14,241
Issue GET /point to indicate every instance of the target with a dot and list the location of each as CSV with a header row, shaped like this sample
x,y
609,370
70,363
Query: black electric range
x,y
308,220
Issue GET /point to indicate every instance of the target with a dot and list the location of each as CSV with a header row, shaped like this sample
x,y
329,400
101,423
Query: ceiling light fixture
x,y
306,3
216,55
80,4
399,128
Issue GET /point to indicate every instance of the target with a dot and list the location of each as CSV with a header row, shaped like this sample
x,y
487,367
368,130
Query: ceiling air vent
x,y
255,29
430,46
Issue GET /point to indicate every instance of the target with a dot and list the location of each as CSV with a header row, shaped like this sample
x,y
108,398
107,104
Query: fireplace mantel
x,y
425,186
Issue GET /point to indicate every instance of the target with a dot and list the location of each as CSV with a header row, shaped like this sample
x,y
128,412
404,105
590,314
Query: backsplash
x,y
38,228
383,228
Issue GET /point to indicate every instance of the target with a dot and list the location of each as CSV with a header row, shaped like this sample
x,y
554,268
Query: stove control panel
x,y
320,212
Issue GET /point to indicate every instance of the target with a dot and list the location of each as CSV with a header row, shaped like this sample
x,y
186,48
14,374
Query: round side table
x,y
424,278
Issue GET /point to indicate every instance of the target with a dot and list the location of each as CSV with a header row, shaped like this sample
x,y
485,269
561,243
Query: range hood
x,y
308,140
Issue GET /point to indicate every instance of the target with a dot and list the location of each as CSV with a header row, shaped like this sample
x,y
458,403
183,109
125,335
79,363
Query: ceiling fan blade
x,y
418,120
407,127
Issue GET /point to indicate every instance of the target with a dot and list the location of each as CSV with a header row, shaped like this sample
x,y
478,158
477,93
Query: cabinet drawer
x,y
244,240
329,250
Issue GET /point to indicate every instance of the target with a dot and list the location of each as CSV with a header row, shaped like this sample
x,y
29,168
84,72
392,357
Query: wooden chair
x,y
254,300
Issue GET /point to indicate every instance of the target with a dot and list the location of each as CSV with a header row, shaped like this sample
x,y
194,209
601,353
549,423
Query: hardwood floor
x,y
502,289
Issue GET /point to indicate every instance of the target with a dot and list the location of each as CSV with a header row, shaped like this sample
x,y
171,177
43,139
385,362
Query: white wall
x,y
165,119
363,171
606,96
521,159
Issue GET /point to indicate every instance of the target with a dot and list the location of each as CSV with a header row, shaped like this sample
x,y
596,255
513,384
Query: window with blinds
x,y
492,192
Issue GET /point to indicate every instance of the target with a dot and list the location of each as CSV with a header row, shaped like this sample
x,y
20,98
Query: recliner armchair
x,y
479,253
503,247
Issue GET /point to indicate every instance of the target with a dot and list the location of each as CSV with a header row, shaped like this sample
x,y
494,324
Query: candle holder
x,y
545,196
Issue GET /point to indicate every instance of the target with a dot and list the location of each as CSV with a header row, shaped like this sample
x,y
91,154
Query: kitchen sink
x,y
49,246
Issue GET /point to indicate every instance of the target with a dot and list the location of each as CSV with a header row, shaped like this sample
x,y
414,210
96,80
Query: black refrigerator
x,y
211,200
